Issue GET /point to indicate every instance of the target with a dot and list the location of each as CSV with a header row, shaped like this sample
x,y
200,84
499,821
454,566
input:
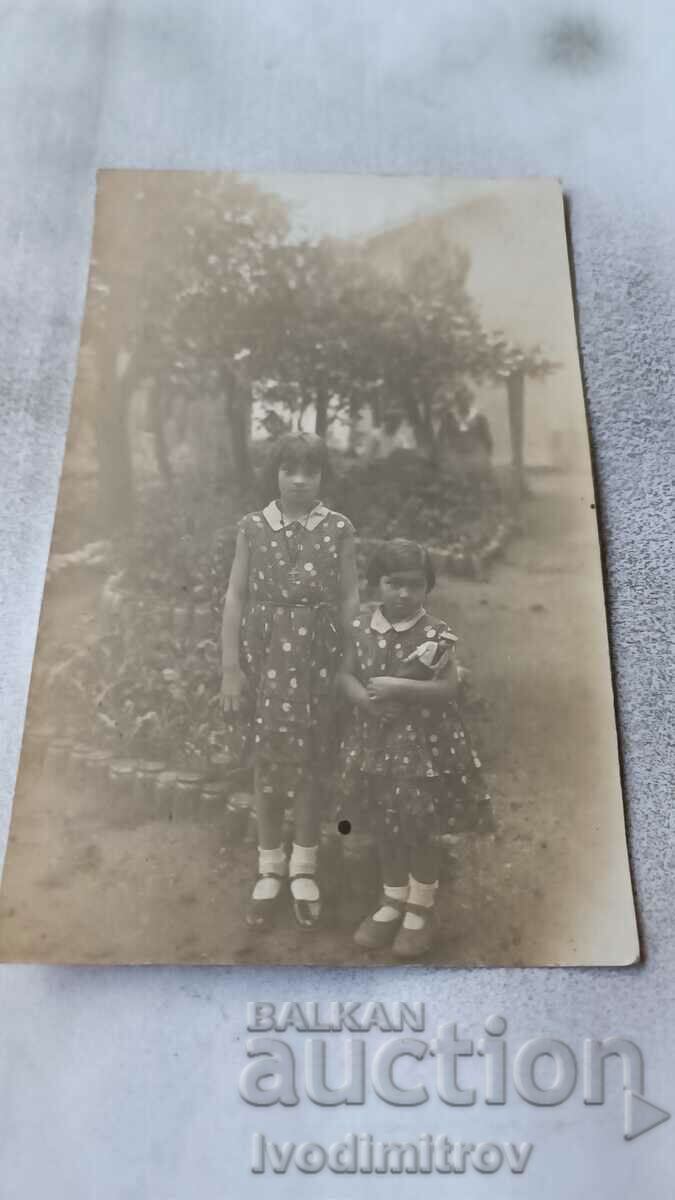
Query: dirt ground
x,y
79,888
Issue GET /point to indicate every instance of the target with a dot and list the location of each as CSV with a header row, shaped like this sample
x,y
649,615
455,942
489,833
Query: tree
x,y
199,290
436,335
517,365
176,266
316,331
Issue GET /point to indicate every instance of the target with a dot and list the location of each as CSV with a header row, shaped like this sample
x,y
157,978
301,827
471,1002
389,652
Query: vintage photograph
x,y
322,673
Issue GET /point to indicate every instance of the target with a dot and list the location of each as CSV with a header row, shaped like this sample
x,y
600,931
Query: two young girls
x,y
293,638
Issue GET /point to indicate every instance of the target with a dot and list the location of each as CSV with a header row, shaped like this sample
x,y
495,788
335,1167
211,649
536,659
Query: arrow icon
x,y
640,1115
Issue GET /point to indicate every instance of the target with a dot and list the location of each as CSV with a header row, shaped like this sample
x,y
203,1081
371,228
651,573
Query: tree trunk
x,y
411,409
157,420
515,392
427,432
321,423
115,469
238,410
354,414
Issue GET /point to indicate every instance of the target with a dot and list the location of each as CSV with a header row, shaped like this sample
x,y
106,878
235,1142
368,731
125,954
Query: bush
x,y
405,496
145,677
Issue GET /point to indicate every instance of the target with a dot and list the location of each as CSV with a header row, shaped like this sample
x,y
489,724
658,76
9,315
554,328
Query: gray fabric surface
x,y
116,1083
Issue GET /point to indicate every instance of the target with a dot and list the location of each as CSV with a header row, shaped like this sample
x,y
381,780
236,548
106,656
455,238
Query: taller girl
x,y
292,595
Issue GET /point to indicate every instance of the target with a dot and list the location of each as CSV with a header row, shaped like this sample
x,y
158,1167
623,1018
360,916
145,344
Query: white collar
x,y
275,520
465,422
380,624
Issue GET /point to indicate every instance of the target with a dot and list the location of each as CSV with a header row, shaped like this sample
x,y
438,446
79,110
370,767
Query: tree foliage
x,y
199,288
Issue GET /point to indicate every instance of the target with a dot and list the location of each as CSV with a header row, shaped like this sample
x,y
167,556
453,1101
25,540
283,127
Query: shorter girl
x,y
406,761
293,591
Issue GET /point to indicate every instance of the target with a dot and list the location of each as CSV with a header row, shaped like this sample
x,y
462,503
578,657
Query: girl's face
x,y
299,485
403,594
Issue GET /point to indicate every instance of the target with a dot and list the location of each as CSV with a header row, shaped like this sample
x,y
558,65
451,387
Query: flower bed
x,y
140,679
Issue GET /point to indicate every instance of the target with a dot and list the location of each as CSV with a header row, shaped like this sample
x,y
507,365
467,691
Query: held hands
x,y
231,688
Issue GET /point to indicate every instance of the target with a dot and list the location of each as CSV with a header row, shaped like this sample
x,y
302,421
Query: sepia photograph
x,y
323,674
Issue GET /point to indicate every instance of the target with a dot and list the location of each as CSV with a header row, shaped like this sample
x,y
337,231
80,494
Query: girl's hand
x,y
372,707
384,688
362,699
231,688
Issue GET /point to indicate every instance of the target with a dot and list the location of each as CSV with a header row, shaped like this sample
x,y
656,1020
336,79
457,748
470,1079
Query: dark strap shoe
x,y
414,943
375,935
307,913
260,913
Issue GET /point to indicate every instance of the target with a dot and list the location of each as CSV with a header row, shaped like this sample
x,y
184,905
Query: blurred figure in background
x,y
463,436
395,433
274,425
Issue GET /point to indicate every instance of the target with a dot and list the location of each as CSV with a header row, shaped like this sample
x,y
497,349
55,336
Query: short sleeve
x,y
343,526
246,525
447,639
241,529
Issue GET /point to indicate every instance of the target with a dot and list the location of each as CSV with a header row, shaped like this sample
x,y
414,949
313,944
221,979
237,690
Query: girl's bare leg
x,y
306,812
269,812
272,864
386,919
379,929
425,860
424,867
394,864
304,855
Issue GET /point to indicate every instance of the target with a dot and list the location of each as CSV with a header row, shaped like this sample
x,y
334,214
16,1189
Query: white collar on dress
x,y
467,421
274,518
380,624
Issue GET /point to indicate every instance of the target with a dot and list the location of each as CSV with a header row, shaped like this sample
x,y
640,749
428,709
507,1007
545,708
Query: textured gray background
x,y
122,1083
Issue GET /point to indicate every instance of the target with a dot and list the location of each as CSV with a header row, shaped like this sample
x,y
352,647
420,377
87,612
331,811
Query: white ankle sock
x,y
270,860
387,912
423,894
303,862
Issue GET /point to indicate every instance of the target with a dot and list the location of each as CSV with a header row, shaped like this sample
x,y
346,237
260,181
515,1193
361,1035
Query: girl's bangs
x,y
300,454
402,557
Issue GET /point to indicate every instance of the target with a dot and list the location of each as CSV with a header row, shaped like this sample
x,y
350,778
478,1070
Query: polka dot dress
x,y
290,644
412,771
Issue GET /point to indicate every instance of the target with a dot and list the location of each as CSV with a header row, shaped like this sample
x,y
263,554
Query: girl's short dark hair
x,y
291,450
400,555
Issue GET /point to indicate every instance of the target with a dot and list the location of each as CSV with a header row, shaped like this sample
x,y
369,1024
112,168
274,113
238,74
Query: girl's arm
x,y
431,691
389,687
349,685
235,599
349,583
